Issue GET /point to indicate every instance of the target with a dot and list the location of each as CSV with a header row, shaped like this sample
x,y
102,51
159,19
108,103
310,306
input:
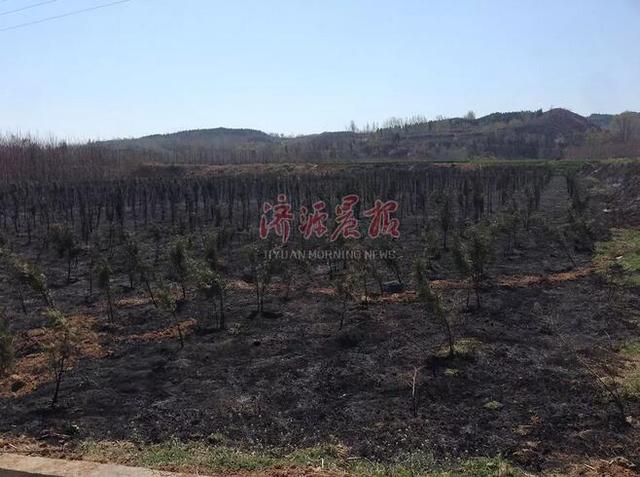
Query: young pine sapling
x,y
212,285
262,268
433,303
168,303
60,349
181,264
472,256
65,243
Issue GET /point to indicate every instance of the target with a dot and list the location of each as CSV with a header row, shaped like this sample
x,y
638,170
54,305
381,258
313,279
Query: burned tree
x,y
104,274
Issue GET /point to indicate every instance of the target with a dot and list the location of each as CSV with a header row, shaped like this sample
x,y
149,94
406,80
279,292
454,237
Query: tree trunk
x,y
175,318
148,286
223,325
110,305
54,401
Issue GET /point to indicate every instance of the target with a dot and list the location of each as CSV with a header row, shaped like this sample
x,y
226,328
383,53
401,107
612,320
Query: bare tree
x,y
104,273
344,287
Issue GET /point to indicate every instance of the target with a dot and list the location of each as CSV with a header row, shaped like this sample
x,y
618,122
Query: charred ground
x,y
533,368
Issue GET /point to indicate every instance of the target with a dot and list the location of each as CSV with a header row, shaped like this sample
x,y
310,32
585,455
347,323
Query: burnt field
x,y
144,316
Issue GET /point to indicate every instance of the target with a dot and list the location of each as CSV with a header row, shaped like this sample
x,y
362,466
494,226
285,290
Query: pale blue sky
x,y
299,66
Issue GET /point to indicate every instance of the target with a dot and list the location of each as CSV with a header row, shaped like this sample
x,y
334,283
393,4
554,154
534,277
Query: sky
x,y
296,67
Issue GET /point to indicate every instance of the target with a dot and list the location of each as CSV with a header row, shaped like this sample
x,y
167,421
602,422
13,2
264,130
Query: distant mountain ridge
x,y
552,134
216,137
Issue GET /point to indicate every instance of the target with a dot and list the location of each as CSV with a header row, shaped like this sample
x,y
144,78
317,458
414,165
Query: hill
x,y
553,134
196,138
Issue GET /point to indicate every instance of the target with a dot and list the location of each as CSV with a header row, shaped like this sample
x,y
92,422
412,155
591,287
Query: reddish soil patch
x,y
31,368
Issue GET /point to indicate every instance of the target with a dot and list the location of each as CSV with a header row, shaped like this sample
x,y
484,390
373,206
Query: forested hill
x,y
554,134
217,138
